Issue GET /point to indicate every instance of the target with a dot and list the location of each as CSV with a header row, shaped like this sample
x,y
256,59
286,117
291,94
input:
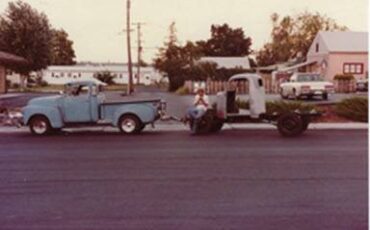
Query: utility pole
x,y
130,88
139,49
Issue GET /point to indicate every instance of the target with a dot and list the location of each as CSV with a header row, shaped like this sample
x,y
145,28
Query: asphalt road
x,y
238,179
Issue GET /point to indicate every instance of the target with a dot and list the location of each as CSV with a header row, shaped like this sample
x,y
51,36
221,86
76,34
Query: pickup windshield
x,y
77,90
309,77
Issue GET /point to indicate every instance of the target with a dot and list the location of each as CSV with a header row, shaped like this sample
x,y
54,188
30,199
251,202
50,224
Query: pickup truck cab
x,y
84,104
306,85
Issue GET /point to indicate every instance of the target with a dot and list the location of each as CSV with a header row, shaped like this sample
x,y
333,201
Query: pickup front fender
x,y
51,113
146,113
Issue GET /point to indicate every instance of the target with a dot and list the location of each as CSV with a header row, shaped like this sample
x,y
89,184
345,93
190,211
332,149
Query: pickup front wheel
x,y
40,125
130,124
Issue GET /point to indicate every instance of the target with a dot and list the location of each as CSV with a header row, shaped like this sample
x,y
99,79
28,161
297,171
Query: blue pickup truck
x,y
83,104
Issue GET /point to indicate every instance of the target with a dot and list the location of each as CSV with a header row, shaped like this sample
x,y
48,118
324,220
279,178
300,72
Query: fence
x,y
212,87
345,86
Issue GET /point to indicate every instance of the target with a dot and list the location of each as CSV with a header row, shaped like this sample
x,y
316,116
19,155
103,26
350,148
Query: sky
x,y
96,26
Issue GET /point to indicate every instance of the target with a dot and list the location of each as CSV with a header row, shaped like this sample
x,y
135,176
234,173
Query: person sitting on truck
x,y
200,105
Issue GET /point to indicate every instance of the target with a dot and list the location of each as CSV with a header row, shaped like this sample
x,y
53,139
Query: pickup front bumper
x,y
11,119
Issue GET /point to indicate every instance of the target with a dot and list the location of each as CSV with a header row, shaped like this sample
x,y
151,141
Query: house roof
x,y
345,41
11,59
228,62
297,66
95,68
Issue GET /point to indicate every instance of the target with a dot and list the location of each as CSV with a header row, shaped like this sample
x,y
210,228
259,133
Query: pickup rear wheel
x,y
40,125
130,124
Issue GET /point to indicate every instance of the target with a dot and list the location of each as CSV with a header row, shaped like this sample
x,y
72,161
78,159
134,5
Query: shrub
x,y
15,86
355,108
183,90
344,77
242,104
283,107
106,77
280,107
43,83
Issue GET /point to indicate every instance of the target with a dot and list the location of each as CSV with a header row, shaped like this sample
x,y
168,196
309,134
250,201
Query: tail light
x,y
162,106
329,88
305,88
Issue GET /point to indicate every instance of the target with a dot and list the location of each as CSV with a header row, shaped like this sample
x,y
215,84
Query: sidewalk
x,y
10,95
181,127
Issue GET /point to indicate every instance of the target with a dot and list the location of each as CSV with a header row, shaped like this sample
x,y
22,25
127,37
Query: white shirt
x,y
201,105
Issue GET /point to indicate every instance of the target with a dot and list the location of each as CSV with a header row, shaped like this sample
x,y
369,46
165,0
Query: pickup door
x,y
79,107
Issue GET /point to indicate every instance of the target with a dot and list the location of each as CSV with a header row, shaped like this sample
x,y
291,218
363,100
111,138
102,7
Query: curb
x,y
181,127
9,96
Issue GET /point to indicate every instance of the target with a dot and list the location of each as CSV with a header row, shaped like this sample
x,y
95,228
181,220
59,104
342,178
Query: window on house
x,y
62,74
317,47
52,74
353,68
79,74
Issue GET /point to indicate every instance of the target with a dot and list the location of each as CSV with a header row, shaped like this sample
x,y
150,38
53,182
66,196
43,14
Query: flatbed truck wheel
x,y
290,125
202,125
217,126
306,122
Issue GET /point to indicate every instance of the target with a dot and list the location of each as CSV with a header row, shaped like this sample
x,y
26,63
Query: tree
x,y
292,36
106,77
175,60
62,52
226,42
26,32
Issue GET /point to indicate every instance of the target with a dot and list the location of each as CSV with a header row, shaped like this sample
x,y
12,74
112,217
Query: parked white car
x,y
306,85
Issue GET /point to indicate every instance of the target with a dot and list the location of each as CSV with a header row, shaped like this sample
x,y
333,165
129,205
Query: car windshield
x,y
309,77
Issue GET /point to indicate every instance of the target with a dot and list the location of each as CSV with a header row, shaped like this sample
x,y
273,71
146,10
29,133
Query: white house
x,y
228,62
341,52
62,74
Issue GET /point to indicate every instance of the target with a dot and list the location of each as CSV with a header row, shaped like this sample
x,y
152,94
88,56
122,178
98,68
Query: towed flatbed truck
x,y
289,124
